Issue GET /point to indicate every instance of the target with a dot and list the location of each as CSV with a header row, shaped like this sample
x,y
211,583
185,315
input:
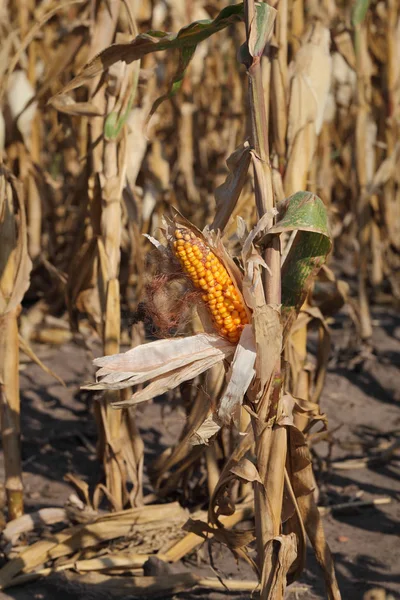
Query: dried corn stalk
x,y
15,267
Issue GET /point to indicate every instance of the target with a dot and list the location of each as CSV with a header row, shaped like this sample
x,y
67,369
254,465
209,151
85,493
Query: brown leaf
x,y
280,553
26,348
268,335
227,194
246,470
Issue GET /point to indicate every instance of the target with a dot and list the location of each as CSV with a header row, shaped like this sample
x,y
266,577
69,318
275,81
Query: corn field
x,y
192,192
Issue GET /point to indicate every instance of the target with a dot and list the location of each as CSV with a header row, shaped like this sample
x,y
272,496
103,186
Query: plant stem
x,y
10,412
270,441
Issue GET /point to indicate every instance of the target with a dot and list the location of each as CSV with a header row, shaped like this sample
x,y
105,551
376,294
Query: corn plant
x,y
247,317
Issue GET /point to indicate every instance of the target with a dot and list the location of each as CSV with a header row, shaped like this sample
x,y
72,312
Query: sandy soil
x,y
361,400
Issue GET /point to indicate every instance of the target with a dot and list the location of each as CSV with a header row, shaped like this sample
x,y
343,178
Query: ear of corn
x,y
207,273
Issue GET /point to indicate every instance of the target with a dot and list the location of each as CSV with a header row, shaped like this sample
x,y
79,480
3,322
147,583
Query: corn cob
x,y
208,273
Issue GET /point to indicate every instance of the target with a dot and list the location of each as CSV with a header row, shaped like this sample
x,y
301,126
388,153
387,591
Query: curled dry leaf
x,y
207,429
167,382
246,470
148,361
166,363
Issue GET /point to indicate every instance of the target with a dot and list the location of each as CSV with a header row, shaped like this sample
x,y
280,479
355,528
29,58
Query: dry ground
x,y
361,399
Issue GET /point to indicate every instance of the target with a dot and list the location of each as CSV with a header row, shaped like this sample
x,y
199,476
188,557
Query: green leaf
x,y
359,12
261,28
155,41
306,214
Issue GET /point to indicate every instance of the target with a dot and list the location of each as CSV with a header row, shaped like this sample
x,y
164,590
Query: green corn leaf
x,y
306,214
155,41
359,12
261,28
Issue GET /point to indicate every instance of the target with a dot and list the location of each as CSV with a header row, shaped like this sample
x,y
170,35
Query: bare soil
x,y
361,399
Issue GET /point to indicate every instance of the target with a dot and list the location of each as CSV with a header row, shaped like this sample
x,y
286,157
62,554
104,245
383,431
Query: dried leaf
x,y
280,553
163,383
207,429
15,264
246,470
65,104
26,348
152,360
239,377
268,336
227,194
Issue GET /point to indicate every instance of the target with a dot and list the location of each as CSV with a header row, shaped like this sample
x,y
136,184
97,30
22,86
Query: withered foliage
x,y
93,157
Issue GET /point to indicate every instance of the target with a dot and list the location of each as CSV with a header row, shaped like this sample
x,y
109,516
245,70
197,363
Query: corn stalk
x,y
270,441
274,452
15,267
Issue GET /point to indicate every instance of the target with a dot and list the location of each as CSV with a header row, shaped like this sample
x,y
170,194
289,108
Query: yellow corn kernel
x,y
208,273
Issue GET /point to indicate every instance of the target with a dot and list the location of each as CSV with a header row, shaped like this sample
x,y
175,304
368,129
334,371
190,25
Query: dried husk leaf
x,y
149,361
163,383
239,377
